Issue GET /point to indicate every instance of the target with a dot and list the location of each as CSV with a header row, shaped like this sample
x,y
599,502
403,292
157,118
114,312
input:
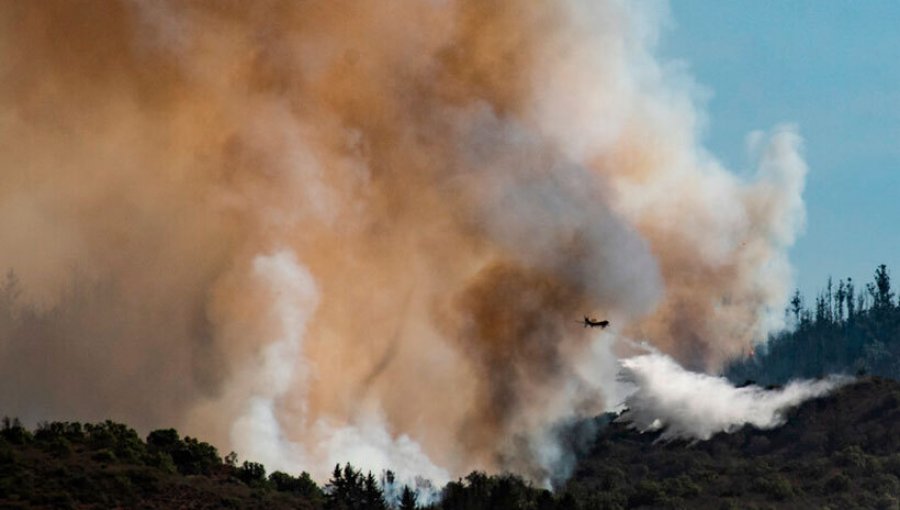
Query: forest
x,y
846,330
839,451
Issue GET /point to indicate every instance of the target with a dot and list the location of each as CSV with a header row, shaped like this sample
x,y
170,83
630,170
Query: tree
x,y
252,473
407,499
302,484
882,297
796,306
347,490
191,456
373,498
829,301
839,296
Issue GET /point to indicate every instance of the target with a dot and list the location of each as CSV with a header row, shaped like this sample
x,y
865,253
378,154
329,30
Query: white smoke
x,y
289,299
294,169
689,405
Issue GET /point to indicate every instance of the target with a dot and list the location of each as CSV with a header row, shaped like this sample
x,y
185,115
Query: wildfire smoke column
x,y
358,231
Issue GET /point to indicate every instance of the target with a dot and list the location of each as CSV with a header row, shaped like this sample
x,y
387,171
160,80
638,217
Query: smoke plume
x,y
360,231
689,405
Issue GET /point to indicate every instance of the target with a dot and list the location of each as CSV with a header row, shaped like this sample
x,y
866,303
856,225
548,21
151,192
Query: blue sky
x,y
833,69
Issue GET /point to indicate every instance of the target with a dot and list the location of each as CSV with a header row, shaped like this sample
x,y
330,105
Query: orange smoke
x,y
328,231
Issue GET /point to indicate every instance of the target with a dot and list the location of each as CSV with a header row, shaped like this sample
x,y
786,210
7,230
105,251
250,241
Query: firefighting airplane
x,y
591,323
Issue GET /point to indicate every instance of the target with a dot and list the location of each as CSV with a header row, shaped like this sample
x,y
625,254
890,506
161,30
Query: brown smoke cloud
x,y
327,231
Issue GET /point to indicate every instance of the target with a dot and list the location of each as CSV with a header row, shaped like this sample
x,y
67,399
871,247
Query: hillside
x,y
106,465
846,331
841,451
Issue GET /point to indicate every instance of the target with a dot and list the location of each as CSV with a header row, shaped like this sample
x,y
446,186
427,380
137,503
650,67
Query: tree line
x,y
104,465
845,330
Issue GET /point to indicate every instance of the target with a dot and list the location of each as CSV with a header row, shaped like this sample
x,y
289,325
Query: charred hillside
x,y
840,451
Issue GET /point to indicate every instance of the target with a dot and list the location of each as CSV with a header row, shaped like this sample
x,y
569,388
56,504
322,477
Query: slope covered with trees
x,y
840,451
846,331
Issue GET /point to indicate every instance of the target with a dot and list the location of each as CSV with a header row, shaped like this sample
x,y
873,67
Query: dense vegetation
x,y
107,465
847,331
842,451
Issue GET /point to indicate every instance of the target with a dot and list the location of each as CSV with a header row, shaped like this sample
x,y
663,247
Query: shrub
x,y
302,484
199,457
119,438
774,487
191,457
647,492
852,456
13,432
166,440
252,473
105,456
682,486
160,460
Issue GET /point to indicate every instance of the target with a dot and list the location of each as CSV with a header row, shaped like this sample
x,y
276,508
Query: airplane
x,y
593,323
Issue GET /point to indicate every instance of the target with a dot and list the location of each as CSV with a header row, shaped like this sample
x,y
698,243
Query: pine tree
x,y
373,498
407,499
882,297
796,306
839,296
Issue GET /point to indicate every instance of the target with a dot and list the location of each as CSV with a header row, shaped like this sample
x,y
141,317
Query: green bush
x,y
682,486
122,440
303,484
104,456
774,487
851,456
58,447
647,492
252,473
166,440
191,457
160,460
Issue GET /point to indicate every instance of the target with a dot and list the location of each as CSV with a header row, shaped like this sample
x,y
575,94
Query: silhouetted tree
x,y
303,485
839,296
373,498
882,297
868,341
349,490
796,306
407,499
252,473
851,300
190,456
